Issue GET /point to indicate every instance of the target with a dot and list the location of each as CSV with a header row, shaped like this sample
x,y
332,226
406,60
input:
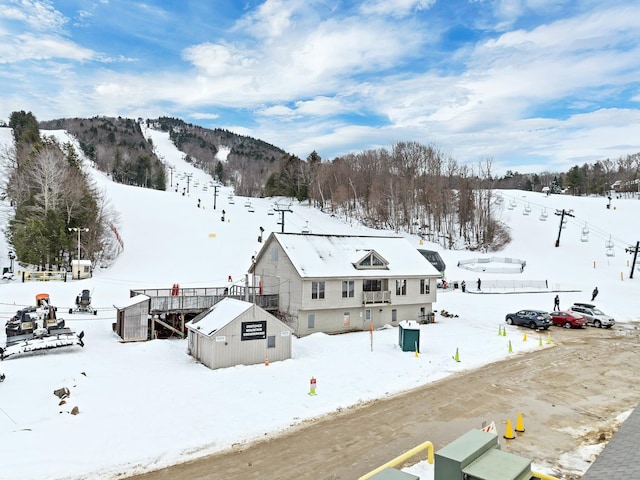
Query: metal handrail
x,y
396,461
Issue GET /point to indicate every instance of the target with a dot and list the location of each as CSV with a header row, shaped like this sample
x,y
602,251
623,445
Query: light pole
x,y
12,257
77,229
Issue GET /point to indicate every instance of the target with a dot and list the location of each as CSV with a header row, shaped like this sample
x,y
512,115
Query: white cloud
x,y
395,8
30,47
40,15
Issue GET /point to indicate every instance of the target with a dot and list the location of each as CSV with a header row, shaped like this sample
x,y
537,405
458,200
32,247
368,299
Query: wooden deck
x,y
197,300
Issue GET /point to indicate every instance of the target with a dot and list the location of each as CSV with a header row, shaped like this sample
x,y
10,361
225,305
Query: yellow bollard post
x,y
594,264
621,277
524,337
539,340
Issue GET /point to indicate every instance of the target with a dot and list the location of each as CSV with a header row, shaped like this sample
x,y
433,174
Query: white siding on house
x,y
304,259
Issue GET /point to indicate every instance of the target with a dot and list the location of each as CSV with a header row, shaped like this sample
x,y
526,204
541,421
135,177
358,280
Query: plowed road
x,y
581,384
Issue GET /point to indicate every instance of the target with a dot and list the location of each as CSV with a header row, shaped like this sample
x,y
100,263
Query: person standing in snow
x,y
463,285
594,294
556,303
479,283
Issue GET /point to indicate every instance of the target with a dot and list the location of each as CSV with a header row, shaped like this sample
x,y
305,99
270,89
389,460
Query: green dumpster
x,y
409,333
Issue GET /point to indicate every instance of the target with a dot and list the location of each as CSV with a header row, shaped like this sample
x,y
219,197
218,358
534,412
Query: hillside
x,y
117,147
249,161
133,394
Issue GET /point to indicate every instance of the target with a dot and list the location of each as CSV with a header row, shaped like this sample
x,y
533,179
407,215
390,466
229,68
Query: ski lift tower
x,y
282,210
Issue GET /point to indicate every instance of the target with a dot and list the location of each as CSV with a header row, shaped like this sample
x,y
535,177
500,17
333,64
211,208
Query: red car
x,y
567,319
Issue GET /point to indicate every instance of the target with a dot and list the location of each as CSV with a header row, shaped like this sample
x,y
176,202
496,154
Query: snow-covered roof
x,y
132,301
324,256
219,315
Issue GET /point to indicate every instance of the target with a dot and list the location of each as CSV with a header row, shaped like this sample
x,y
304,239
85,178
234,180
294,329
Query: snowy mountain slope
x,y
149,404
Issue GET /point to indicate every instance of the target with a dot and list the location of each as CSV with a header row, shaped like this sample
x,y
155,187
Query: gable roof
x,y
218,316
326,256
132,301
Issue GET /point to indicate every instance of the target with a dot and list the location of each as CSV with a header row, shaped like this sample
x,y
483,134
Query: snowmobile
x,y
83,303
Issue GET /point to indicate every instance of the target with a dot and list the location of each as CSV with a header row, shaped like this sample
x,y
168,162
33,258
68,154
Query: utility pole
x,y
282,210
188,175
633,250
215,194
568,213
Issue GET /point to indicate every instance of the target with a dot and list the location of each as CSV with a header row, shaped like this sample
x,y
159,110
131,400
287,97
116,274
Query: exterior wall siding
x,y
134,326
281,277
233,350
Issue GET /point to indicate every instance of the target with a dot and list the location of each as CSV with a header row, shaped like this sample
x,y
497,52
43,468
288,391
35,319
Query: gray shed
x,y
132,319
234,332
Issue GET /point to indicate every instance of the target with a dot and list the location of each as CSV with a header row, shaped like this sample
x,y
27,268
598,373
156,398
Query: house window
x,y
394,315
425,286
371,261
311,321
348,288
372,285
367,315
271,341
317,290
401,287
274,254
346,319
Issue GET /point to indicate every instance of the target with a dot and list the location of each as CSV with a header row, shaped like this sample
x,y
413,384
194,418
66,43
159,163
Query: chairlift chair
x,y
585,234
609,248
544,215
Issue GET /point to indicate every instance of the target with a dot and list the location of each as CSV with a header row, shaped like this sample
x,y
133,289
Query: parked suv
x,y
593,315
535,319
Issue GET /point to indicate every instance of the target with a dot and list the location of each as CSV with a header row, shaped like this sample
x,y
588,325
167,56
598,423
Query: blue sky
x,y
533,85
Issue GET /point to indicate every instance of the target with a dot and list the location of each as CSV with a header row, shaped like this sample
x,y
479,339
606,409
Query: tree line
x,y
51,195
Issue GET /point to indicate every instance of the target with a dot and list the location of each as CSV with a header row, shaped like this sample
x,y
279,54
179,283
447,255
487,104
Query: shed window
x,y
271,341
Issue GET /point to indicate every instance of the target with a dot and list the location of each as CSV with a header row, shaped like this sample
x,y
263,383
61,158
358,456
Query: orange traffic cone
x,y
519,423
266,360
510,348
508,434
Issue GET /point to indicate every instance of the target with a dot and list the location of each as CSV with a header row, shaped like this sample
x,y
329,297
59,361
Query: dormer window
x,y
371,261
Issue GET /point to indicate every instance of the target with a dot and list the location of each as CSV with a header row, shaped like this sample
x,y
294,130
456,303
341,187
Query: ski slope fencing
x,y
493,265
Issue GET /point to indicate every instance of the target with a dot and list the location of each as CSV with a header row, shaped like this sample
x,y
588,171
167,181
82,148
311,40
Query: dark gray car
x,y
535,319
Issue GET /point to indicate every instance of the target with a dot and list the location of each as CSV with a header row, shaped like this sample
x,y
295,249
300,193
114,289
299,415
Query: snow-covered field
x,y
147,405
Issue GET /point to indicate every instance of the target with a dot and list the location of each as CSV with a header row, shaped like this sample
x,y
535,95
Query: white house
x,y
341,283
234,332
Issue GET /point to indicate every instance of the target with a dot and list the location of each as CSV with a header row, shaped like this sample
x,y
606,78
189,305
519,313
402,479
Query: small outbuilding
x,y
132,319
81,269
234,332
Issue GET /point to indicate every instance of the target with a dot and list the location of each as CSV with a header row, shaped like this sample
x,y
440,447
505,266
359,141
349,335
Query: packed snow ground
x,y
148,405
